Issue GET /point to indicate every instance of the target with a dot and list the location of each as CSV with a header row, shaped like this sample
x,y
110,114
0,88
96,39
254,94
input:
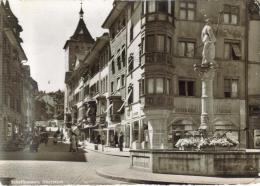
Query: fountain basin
x,y
237,163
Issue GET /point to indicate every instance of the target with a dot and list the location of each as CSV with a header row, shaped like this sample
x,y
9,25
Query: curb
x,y
133,180
124,176
109,154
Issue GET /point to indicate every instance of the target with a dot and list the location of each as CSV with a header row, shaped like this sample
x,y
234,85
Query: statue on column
x,y
209,39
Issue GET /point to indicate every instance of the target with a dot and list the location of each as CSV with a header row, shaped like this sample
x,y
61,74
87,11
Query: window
x,y
232,50
162,6
131,33
231,14
150,86
186,48
135,130
167,86
118,63
131,96
150,6
169,45
113,67
141,87
106,84
122,80
131,63
160,43
159,86
142,45
187,10
230,88
112,86
186,88
123,57
150,45
118,83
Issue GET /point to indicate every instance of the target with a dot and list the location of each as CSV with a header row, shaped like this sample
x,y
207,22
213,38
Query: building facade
x,y
11,75
154,94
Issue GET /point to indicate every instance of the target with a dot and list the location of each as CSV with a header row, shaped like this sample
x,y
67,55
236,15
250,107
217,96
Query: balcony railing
x,y
193,105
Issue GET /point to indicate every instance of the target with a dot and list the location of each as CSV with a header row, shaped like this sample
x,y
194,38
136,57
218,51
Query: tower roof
x,y
81,33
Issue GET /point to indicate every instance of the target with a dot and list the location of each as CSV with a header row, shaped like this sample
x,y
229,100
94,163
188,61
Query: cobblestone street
x,y
60,171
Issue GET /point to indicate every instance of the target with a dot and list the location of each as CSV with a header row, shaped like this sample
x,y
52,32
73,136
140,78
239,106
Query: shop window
x,y
232,50
231,14
186,88
186,48
187,10
230,88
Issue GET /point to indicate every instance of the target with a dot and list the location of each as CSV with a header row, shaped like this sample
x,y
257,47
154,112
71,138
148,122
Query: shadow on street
x,y
49,152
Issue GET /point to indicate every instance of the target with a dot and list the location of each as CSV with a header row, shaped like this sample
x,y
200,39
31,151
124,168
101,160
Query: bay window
x,y
160,43
159,86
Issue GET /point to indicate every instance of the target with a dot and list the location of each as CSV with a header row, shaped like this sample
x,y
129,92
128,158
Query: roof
x,y
81,34
114,13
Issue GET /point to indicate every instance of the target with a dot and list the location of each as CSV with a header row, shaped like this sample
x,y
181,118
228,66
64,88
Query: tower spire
x,y
81,11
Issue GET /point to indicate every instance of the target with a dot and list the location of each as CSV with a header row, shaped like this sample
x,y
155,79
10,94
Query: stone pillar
x,y
157,127
207,74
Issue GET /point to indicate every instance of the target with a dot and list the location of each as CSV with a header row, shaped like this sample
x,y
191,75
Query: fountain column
x,y
207,74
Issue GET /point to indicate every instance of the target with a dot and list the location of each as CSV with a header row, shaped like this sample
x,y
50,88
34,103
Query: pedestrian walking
x,y
121,141
103,140
116,139
73,143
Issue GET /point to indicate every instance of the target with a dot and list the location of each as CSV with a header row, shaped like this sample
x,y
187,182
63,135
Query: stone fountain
x,y
206,162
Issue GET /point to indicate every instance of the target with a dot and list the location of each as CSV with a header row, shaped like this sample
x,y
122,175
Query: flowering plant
x,y
187,142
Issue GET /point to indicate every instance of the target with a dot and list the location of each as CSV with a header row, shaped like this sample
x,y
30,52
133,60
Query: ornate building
x,y
154,94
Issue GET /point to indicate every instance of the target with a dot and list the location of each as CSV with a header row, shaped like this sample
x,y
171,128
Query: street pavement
x,y
58,166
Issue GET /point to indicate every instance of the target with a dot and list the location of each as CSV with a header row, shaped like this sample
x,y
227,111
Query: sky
x,y
47,25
